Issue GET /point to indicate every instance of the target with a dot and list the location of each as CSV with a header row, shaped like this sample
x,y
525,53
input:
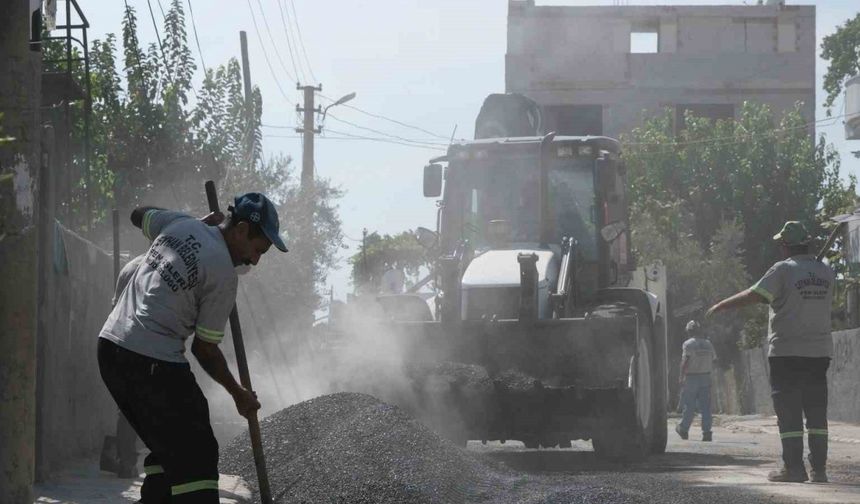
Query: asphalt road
x,y
731,469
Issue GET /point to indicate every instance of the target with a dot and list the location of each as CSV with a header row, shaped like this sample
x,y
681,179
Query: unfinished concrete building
x,y
596,69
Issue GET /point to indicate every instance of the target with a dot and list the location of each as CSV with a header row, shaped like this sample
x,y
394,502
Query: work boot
x,y
684,435
818,475
788,475
707,436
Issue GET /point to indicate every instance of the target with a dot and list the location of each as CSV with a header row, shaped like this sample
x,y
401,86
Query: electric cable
x,y
160,46
290,43
384,118
401,141
354,125
301,41
266,56
272,40
197,39
359,137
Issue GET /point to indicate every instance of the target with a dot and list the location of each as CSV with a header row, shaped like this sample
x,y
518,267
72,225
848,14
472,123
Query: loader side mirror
x,y
426,238
432,180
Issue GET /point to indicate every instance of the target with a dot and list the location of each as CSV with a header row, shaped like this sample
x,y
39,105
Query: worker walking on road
x,y
186,284
799,291
697,362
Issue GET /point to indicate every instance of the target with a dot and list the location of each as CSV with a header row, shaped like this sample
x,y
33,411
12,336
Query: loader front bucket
x,y
543,382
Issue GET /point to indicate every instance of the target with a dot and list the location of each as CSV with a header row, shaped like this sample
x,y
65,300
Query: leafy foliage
x,y
707,199
156,139
382,252
842,49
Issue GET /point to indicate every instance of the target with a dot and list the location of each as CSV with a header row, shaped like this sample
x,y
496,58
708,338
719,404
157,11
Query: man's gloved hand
x,y
246,402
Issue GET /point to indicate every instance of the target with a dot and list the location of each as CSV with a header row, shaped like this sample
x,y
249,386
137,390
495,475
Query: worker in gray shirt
x,y
186,286
125,441
799,291
697,362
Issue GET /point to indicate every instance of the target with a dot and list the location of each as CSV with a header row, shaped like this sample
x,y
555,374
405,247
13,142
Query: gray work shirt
x,y
124,277
800,292
185,285
700,355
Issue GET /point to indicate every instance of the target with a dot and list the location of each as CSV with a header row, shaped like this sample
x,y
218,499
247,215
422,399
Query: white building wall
x,y
706,55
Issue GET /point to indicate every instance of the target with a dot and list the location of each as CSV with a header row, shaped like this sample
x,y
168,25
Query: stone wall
x,y
74,408
843,379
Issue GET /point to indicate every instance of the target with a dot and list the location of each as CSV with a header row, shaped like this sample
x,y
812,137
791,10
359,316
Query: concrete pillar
x,y
20,83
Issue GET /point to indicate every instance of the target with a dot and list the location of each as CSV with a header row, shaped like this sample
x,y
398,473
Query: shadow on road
x,y
570,461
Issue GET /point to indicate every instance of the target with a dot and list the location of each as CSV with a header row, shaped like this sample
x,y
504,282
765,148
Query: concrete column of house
x,y
20,83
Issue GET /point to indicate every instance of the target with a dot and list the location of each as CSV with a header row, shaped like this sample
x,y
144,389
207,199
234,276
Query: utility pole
x,y
308,131
307,196
249,101
20,93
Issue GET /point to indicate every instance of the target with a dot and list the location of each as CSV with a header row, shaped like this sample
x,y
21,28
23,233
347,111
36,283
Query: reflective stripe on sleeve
x,y
209,336
147,217
153,469
194,486
758,289
817,432
789,435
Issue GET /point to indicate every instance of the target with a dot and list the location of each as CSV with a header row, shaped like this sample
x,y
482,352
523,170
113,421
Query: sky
x,y
425,63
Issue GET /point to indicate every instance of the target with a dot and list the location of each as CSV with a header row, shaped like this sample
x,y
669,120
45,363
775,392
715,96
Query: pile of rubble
x,y
353,448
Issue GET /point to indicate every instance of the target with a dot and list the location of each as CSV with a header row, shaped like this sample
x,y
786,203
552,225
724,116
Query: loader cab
x,y
491,200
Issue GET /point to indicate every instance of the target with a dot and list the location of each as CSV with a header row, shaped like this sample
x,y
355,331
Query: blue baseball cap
x,y
255,207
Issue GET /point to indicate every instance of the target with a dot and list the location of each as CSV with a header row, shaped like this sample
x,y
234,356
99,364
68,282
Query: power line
x,y
388,140
359,137
382,132
384,118
289,42
389,135
266,56
302,42
161,8
272,39
196,39
160,46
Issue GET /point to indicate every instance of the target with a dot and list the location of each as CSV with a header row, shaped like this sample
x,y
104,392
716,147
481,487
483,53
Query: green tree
x,y
381,252
842,50
707,196
155,140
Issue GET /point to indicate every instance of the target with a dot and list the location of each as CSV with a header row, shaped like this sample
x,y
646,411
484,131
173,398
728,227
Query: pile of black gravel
x,y
352,448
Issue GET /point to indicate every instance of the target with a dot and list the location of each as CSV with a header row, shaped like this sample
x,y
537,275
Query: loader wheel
x,y
628,431
661,389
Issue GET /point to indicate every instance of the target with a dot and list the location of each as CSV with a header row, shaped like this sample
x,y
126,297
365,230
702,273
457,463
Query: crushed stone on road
x,y
352,448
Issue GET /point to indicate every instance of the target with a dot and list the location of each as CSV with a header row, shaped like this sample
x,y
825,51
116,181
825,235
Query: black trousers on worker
x,y
799,388
167,409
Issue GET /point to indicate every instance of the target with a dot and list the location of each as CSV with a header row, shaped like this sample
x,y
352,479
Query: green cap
x,y
792,233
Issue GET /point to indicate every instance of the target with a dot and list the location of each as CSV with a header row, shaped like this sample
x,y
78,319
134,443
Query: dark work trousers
x,y
126,439
167,409
799,388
